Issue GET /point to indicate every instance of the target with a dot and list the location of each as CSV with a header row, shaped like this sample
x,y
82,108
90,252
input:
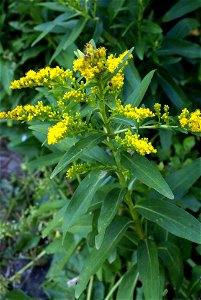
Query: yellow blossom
x,y
134,142
31,112
50,77
113,62
190,121
75,95
117,82
57,132
135,113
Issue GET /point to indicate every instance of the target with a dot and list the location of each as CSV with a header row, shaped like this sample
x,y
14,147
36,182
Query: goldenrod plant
x,y
106,147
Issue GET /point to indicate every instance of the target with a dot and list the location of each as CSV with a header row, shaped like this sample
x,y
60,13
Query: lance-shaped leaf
x,y
95,259
82,198
128,284
109,209
148,266
137,95
172,218
146,172
172,260
77,150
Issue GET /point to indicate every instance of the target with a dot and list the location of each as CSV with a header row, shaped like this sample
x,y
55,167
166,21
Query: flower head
x,y
134,142
190,121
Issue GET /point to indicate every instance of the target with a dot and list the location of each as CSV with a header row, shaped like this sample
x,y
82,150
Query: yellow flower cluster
x,y
78,169
137,114
67,125
57,132
190,121
117,81
92,63
134,142
113,62
50,77
95,62
75,95
31,112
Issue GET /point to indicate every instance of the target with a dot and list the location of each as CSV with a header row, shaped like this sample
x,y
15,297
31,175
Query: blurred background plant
x,y
38,33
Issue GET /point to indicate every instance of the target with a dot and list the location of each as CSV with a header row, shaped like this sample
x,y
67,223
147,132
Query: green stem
x,y
113,288
147,127
21,271
90,286
122,180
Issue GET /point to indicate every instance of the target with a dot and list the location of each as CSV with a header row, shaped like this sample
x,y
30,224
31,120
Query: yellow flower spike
x,y
134,142
57,132
135,113
50,77
76,96
30,112
190,121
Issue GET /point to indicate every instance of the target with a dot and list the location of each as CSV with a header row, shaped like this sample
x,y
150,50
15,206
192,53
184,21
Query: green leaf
x,y
55,6
172,46
17,294
137,95
148,266
44,161
183,28
172,218
95,259
128,284
108,211
82,198
181,180
68,39
61,257
171,257
132,75
55,222
77,150
146,172
180,9
172,90
151,27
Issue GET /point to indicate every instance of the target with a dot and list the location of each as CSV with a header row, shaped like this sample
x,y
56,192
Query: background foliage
x,y
166,37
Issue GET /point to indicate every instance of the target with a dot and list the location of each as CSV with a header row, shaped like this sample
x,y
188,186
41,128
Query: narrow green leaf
x,y
128,283
75,151
171,257
151,27
146,172
95,259
172,46
181,180
46,160
108,211
61,257
183,28
132,75
172,90
16,294
172,218
180,9
148,266
68,39
137,95
82,198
